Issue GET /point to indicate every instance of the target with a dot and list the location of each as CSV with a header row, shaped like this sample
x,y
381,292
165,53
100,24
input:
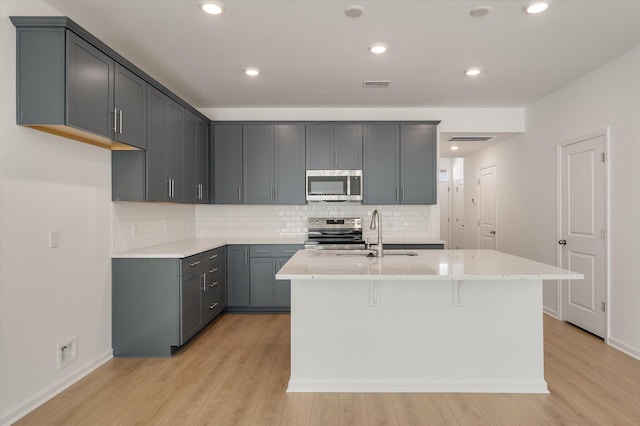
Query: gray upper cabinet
x,y
273,163
130,108
258,163
227,164
289,164
196,188
202,161
399,163
165,148
381,158
334,146
418,164
90,88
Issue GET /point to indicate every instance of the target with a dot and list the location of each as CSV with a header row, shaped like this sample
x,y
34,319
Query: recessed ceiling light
x,y
472,72
479,12
212,7
454,148
378,48
354,11
534,7
252,72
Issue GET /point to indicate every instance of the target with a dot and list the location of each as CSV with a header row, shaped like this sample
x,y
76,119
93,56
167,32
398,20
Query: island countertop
x,y
425,265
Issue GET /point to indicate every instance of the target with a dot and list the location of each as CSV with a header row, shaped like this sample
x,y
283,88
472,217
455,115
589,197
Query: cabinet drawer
x,y
213,303
191,263
213,258
274,250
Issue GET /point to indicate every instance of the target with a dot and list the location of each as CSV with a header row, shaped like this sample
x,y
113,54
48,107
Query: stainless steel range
x,y
343,233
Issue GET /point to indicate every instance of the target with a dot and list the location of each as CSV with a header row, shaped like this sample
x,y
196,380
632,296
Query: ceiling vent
x,y
379,84
470,138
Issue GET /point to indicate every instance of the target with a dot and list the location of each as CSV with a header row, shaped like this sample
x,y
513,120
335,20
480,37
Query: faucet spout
x,y
376,223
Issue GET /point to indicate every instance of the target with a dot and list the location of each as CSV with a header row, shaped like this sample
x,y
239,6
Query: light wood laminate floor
x,y
235,372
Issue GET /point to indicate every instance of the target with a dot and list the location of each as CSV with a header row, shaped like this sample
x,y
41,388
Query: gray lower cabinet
x,y
399,163
252,283
238,274
226,160
332,146
159,304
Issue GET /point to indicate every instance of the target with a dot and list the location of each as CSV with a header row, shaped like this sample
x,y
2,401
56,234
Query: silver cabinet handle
x,y
403,193
194,264
239,195
213,270
246,257
115,121
397,193
169,188
263,251
215,283
120,121
275,193
289,251
212,307
336,159
213,257
203,281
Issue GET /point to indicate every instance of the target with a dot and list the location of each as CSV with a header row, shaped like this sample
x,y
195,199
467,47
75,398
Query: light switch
x,y
54,239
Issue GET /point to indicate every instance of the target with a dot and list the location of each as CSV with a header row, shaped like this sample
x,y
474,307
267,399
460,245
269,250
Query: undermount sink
x,y
371,253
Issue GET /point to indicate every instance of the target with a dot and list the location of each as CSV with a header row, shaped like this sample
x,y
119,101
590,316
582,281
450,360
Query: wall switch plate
x,y
54,239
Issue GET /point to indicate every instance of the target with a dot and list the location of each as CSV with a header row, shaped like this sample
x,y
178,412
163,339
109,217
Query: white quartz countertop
x,y
427,265
186,248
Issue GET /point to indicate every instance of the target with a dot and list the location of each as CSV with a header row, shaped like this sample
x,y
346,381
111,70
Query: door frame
x,y
605,134
480,201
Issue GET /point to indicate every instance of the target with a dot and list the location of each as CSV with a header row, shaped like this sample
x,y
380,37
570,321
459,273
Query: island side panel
x,y
415,339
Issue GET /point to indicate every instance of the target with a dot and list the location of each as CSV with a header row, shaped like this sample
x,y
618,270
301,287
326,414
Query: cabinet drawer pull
x,y
211,307
213,270
263,251
194,264
289,251
213,257
215,283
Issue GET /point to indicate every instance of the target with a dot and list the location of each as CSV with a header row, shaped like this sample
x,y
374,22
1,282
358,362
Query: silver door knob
x,y
493,232
562,242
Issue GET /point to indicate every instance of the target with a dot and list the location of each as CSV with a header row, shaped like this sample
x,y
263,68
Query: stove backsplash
x,y
291,221
138,225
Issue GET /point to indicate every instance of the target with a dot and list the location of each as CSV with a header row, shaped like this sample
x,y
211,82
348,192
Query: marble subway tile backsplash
x,y
291,221
139,225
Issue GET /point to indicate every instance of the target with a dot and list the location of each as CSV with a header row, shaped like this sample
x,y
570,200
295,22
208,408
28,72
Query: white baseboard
x,y
550,312
622,347
49,392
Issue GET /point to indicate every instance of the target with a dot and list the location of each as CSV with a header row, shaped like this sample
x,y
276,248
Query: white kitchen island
x,y
440,321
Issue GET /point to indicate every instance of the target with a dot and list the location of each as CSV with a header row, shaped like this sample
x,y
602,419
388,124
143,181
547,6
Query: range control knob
x,y
357,221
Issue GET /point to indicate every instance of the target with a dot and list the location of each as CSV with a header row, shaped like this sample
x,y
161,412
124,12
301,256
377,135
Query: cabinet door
x,y
258,163
190,304
263,271
202,161
283,287
238,275
418,164
227,161
289,164
348,146
319,146
131,105
175,150
191,190
90,87
381,158
157,179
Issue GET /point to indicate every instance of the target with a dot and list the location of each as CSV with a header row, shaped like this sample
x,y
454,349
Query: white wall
x,y
48,295
526,172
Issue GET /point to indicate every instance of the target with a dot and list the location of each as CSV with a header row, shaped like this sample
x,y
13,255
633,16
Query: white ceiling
x,y
312,55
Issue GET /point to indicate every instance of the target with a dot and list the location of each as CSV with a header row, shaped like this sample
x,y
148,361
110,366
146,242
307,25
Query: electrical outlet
x,y
54,239
67,352
166,228
133,232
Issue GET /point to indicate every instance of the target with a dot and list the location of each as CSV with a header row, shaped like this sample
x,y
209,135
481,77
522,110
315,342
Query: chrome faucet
x,y
376,222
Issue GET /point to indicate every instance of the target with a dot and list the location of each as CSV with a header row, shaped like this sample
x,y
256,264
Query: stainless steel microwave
x,y
334,185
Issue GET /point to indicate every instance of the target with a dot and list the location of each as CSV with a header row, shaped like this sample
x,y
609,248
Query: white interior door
x,y
445,219
458,215
487,207
582,235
